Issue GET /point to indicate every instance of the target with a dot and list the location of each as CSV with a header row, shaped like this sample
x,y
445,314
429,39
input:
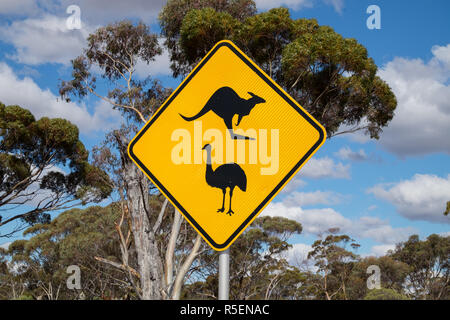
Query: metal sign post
x,y
224,275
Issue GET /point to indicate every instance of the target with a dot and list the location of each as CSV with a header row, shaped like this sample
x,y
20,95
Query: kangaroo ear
x,y
252,94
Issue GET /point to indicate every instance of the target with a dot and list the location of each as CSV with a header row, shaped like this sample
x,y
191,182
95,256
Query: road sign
x,y
224,144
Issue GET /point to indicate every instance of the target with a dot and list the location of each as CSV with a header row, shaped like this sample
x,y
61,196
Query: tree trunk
x,y
170,252
148,256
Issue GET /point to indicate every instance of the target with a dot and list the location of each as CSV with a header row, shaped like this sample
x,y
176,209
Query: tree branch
x,y
141,116
160,216
168,272
178,283
118,266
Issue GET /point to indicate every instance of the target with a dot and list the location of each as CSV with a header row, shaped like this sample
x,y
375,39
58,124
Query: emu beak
x,y
239,120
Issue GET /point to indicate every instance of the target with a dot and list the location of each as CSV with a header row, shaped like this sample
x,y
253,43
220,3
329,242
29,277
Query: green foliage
x,y
265,35
393,275
429,262
12,170
108,45
331,76
201,29
75,237
257,269
33,154
115,52
279,226
385,294
258,266
172,21
116,49
335,264
447,210
336,80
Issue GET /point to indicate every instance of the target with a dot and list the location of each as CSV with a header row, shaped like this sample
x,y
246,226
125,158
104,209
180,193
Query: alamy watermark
x,y
73,22
74,280
261,148
374,20
374,280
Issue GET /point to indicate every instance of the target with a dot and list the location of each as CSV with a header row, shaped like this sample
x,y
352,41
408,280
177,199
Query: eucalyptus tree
x,y
258,265
429,263
335,263
38,266
44,167
107,70
331,76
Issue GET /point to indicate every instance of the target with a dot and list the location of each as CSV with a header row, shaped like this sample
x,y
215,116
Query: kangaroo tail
x,y
198,115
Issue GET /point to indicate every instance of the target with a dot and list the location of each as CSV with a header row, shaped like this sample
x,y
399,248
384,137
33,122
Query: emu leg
x,y
223,201
230,212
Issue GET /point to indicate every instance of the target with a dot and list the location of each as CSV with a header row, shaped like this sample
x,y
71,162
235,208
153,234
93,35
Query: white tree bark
x,y
148,257
156,282
179,280
170,253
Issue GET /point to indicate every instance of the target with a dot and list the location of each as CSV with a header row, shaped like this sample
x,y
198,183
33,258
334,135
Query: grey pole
x,y
224,275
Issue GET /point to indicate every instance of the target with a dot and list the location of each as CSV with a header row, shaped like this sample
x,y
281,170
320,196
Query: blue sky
x,y
379,192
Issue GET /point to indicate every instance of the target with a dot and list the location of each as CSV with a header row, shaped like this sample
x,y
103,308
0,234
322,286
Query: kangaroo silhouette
x,y
226,103
228,175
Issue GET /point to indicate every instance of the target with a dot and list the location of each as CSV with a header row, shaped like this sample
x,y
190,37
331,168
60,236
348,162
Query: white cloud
x,y
94,12
442,55
44,40
18,7
318,221
293,4
312,198
346,153
338,5
41,196
298,256
318,168
379,230
27,94
62,45
103,11
32,197
422,119
293,185
299,251
325,167
5,245
423,197
314,221
160,66
380,250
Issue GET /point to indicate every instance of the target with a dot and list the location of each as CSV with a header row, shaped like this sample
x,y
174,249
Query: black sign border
x,y
270,82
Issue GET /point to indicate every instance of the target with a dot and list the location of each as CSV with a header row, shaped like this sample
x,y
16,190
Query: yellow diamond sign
x,y
225,143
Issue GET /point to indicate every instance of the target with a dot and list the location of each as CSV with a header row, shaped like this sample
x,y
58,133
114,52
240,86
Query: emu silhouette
x,y
226,103
228,175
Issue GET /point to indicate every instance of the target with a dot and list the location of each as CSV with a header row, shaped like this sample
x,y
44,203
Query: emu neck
x,y
208,162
